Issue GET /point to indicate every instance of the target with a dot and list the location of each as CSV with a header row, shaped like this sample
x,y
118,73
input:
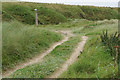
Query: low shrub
x,y
110,41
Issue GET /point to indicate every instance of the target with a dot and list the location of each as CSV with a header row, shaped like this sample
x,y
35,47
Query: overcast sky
x,y
106,3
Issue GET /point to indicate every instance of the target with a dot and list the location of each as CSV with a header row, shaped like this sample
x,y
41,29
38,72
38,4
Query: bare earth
x,y
71,60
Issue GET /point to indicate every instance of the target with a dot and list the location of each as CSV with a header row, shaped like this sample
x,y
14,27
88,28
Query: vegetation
x,y
24,41
54,13
21,42
111,41
92,63
50,62
26,14
95,59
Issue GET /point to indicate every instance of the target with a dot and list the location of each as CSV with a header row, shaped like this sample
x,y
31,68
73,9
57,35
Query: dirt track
x,y
71,60
40,57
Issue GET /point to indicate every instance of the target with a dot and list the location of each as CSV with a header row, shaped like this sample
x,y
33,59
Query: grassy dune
x,y
26,14
54,13
21,42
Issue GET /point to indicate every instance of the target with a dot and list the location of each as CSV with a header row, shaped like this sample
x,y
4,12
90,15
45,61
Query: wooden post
x,y
116,57
36,18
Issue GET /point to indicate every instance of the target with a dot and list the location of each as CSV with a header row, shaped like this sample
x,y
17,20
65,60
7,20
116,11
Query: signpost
x,y
36,18
116,57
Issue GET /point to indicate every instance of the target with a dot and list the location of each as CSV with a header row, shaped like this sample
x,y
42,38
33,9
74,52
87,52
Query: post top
x,y
116,46
35,9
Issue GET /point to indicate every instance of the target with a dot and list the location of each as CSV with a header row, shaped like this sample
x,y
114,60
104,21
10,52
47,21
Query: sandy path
x,y
71,60
40,57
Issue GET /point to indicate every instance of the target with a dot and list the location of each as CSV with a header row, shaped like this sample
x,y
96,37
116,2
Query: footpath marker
x,y
36,18
116,57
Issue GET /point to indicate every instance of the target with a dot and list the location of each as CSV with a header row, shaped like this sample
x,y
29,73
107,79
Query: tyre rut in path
x,y
71,60
40,57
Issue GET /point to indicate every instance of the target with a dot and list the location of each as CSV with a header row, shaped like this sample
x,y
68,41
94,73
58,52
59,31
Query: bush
x,y
110,41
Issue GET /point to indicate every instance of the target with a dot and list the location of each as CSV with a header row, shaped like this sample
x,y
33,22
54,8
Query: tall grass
x,y
23,41
95,61
50,62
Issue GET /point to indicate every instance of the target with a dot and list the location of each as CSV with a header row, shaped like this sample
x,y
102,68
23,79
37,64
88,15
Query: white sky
x,y
106,3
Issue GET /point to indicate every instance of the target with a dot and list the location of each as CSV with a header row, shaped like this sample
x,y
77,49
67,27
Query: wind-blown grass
x,y
95,61
21,42
50,62
92,63
96,28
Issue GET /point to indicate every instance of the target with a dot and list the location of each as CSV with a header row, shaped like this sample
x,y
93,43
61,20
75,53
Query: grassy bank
x,y
54,13
50,62
95,61
21,42
26,14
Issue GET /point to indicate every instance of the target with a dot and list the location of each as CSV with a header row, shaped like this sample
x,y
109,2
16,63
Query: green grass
x,y
22,42
95,61
97,28
70,25
26,14
54,13
18,12
99,13
49,16
75,23
50,62
92,63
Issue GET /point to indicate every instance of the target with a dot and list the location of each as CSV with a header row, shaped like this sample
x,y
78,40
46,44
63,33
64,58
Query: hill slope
x,y
54,13
22,42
